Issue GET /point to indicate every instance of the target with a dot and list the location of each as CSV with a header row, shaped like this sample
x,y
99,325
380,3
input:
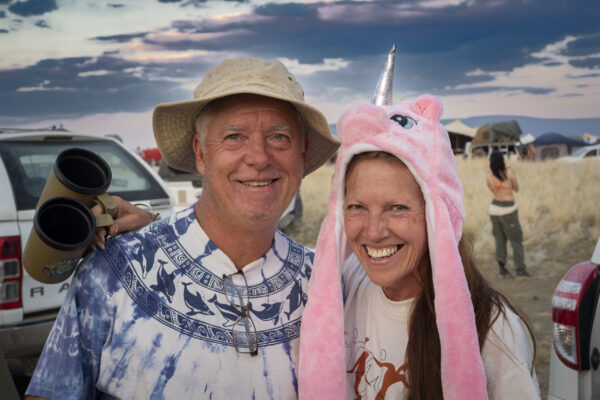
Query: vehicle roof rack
x,y
52,128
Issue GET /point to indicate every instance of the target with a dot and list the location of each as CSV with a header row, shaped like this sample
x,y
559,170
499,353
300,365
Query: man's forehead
x,y
250,101
270,127
273,112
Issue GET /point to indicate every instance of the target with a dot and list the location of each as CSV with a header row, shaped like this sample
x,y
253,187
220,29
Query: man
x,y
208,303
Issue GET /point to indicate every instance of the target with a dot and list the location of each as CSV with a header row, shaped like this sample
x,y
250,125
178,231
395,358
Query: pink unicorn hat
x,y
425,149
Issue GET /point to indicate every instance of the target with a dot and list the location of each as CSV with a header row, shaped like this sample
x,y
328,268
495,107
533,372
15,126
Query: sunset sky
x,y
101,66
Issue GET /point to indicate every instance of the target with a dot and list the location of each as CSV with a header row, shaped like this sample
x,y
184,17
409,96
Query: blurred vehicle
x,y
187,187
511,150
502,136
27,307
151,156
575,353
583,153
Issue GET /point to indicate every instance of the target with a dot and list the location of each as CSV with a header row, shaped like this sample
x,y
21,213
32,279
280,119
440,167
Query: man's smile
x,y
257,183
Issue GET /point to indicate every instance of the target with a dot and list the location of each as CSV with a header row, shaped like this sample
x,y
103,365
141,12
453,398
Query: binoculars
x,y
63,225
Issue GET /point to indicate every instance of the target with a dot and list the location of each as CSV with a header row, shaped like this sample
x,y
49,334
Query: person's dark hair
x,y
497,165
423,354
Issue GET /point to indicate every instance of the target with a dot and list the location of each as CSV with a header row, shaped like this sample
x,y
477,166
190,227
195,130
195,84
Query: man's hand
x,y
127,217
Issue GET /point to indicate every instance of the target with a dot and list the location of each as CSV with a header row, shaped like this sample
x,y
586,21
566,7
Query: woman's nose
x,y
376,227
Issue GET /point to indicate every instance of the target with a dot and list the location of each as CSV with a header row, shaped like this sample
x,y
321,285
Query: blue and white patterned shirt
x,y
147,319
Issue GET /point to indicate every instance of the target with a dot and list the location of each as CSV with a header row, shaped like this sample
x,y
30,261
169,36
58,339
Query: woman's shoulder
x,y
508,355
509,336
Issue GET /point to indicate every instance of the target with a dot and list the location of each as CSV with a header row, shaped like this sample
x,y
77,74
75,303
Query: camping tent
x,y
554,145
459,134
498,132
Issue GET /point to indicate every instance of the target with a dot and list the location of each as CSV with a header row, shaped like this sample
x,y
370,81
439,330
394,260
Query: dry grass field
x,y
559,213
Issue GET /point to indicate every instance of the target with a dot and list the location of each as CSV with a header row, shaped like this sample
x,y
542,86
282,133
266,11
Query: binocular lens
x,y
83,171
65,224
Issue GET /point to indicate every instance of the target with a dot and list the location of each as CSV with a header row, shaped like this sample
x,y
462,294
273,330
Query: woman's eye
x,y
354,209
399,207
404,121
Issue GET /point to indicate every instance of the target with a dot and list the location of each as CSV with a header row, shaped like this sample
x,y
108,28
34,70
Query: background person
x,y
206,303
502,181
420,321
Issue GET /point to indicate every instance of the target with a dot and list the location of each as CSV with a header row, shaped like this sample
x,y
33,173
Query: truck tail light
x,y
11,273
570,333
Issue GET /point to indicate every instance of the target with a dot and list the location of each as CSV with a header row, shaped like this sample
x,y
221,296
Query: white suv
x,y
27,307
575,353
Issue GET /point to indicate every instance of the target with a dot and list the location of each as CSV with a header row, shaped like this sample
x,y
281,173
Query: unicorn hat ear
x,y
385,85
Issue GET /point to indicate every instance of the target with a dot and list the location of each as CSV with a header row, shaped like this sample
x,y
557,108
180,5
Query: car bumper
x,y
26,338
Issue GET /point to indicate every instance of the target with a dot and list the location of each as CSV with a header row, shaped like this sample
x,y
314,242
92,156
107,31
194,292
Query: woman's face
x,y
384,219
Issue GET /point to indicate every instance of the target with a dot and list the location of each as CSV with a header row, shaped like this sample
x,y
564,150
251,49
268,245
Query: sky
x,y
100,67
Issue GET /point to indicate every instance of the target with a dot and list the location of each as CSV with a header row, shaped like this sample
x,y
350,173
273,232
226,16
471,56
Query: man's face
x,y
253,160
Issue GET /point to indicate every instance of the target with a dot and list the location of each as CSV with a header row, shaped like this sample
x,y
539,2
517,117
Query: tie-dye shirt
x,y
147,319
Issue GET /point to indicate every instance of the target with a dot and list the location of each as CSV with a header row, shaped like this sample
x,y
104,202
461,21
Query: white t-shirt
x,y
376,335
148,319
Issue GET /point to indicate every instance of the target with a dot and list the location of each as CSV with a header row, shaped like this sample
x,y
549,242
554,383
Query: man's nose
x,y
376,227
257,154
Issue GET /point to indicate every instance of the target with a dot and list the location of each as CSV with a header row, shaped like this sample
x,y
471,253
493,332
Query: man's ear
x,y
199,154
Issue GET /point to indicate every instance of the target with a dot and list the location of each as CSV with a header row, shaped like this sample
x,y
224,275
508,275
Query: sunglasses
x,y
243,331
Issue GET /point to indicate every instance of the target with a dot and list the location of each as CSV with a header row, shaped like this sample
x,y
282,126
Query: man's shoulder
x,y
280,236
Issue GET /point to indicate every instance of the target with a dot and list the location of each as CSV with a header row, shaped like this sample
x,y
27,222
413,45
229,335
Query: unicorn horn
x,y
385,86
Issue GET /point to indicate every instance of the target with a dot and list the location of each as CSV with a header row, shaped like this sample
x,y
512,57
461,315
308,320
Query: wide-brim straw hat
x,y
174,123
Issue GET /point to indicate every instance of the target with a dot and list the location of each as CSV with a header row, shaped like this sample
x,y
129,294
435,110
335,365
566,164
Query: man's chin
x,y
262,216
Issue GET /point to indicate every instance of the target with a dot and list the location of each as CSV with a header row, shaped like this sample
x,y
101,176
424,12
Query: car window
x,y
592,153
29,164
579,152
170,174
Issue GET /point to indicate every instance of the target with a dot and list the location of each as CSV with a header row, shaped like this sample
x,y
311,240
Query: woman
x,y
502,181
419,320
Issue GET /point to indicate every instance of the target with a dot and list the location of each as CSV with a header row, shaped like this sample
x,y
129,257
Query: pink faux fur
x,y
425,149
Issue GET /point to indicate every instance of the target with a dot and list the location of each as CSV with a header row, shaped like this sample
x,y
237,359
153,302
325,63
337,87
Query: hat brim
x,y
174,129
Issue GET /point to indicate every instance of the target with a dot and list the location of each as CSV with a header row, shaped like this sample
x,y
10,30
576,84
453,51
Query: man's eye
x,y
233,137
280,141
280,137
399,207
404,121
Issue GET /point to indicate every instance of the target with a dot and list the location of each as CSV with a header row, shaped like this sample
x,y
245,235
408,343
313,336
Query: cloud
x,y
588,63
328,64
32,7
80,86
584,45
336,49
123,38
582,76
42,24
